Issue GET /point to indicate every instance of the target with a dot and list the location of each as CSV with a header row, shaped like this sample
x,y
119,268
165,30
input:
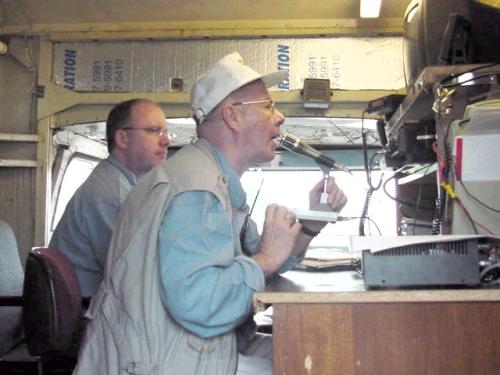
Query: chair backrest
x,y
11,285
52,304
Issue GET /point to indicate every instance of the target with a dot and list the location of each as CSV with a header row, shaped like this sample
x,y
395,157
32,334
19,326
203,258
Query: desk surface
x,y
348,287
327,323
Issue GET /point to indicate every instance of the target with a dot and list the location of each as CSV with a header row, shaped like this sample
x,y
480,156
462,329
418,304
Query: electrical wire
x,y
451,193
459,201
438,214
364,212
371,188
347,218
400,201
256,196
244,227
477,199
467,214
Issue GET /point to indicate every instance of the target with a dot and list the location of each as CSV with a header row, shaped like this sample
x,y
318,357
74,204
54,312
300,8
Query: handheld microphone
x,y
295,144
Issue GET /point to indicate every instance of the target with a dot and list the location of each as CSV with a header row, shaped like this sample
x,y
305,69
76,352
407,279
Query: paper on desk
x,y
325,257
379,243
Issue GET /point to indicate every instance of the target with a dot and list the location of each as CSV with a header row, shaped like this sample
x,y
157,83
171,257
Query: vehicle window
x,y
287,179
291,189
77,171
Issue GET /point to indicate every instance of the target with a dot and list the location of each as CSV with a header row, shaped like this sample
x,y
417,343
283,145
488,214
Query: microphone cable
x,y
364,213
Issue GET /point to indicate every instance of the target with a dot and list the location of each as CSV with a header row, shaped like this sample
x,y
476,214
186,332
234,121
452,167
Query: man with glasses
x,y
177,292
137,141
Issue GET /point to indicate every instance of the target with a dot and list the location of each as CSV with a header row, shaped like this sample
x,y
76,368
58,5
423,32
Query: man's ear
x,y
232,117
121,139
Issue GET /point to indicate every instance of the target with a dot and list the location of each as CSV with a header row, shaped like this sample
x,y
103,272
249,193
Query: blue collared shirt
x,y
207,284
84,231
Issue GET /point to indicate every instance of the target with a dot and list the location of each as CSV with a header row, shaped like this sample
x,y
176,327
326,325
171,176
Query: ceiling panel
x,y
46,16
16,12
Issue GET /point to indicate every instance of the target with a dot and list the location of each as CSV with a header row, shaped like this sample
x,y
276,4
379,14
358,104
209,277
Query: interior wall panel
x,y
17,184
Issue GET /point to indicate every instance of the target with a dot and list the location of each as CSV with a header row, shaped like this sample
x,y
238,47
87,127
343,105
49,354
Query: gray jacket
x,y
130,331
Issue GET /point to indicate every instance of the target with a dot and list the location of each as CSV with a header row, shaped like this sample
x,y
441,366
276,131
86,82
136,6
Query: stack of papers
x,y
324,258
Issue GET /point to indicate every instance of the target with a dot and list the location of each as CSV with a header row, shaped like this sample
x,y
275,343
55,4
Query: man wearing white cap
x,y
185,259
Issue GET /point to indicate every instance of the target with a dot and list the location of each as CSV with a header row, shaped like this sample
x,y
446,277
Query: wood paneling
x,y
458,338
306,339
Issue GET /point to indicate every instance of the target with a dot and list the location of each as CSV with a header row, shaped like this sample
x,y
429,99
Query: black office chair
x,y
53,313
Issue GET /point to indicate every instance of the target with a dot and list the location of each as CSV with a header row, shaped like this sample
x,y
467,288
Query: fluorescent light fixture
x,y
370,8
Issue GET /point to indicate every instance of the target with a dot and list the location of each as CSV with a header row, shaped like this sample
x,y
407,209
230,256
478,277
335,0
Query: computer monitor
x,y
434,29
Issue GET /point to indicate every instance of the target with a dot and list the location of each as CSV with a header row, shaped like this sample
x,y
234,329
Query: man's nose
x,y
165,139
280,117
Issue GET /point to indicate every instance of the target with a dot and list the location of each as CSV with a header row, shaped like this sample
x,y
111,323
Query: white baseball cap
x,y
225,76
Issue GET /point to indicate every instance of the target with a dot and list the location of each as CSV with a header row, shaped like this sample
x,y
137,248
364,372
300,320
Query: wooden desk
x,y
327,324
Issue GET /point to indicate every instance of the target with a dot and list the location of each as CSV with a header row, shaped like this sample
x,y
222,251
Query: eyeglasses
x,y
271,106
156,131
